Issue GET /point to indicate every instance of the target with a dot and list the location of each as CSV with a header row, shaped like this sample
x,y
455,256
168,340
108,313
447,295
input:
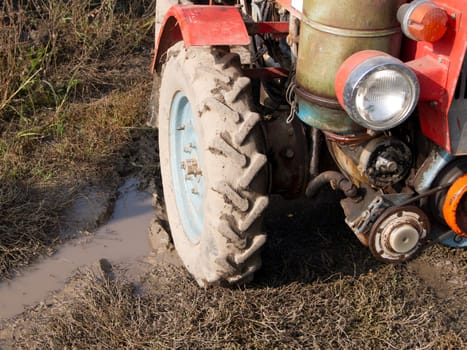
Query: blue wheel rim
x,y
187,177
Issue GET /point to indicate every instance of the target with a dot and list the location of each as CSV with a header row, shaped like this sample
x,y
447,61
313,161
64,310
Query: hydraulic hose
x,y
337,182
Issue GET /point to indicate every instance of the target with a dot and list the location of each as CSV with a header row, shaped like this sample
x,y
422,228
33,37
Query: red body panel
x,y
276,29
210,25
438,66
201,25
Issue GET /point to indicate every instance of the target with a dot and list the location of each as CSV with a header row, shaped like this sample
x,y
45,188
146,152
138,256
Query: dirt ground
x,y
318,287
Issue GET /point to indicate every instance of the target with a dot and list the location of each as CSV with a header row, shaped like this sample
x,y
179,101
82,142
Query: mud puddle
x,y
124,239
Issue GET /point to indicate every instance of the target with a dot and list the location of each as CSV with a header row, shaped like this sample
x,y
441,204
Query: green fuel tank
x,y
330,32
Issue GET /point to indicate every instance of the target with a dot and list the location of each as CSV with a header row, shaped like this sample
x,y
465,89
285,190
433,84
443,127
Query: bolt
x,y
192,167
348,188
189,147
385,165
289,153
392,166
433,104
453,16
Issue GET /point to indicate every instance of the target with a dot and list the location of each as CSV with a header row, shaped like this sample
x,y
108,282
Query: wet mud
x,y
123,239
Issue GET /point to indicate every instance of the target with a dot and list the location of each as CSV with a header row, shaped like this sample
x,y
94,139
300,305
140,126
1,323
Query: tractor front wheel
x,y
213,169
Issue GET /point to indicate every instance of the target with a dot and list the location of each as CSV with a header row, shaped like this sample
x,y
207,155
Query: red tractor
x,y
261,97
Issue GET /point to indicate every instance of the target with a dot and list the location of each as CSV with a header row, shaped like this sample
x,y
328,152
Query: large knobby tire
x,y
213,172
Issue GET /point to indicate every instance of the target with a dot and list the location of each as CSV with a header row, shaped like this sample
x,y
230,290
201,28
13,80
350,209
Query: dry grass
x,y
310,294
29,221
94,149
75,83
390,309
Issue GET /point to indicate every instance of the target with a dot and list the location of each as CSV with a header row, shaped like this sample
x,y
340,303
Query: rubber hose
x,y
337,181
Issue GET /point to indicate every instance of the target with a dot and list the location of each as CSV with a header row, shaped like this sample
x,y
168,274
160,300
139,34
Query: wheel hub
x,y
403,238
187,176
398,233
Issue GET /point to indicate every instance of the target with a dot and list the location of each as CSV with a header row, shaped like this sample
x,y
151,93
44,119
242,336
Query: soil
x,y
310,254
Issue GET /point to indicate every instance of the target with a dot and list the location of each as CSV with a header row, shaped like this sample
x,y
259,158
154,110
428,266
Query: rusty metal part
x,y
385,161
379,162
191,167
362,212
350,139
360,215
337,182
292,38
288,154
347,160
398,234
331,103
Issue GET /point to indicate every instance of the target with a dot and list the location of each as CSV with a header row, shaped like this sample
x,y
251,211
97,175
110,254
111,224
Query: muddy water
x,y
124,239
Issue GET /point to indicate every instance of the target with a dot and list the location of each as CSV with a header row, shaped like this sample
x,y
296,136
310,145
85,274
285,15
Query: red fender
x,y
200,25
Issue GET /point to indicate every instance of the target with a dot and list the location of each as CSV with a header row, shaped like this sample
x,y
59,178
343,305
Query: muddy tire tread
x,y
237,145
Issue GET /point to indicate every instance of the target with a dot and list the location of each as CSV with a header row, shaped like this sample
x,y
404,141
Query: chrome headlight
x,y
377,90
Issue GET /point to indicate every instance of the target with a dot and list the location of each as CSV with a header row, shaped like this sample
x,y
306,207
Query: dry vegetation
x,y
317,290
74,86
388,309
74,92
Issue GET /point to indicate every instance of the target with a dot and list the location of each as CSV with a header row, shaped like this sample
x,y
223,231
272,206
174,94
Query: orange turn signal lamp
x,y
423,20
455,206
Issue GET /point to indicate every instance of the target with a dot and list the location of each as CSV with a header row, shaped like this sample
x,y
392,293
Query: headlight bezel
x,y
357,70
